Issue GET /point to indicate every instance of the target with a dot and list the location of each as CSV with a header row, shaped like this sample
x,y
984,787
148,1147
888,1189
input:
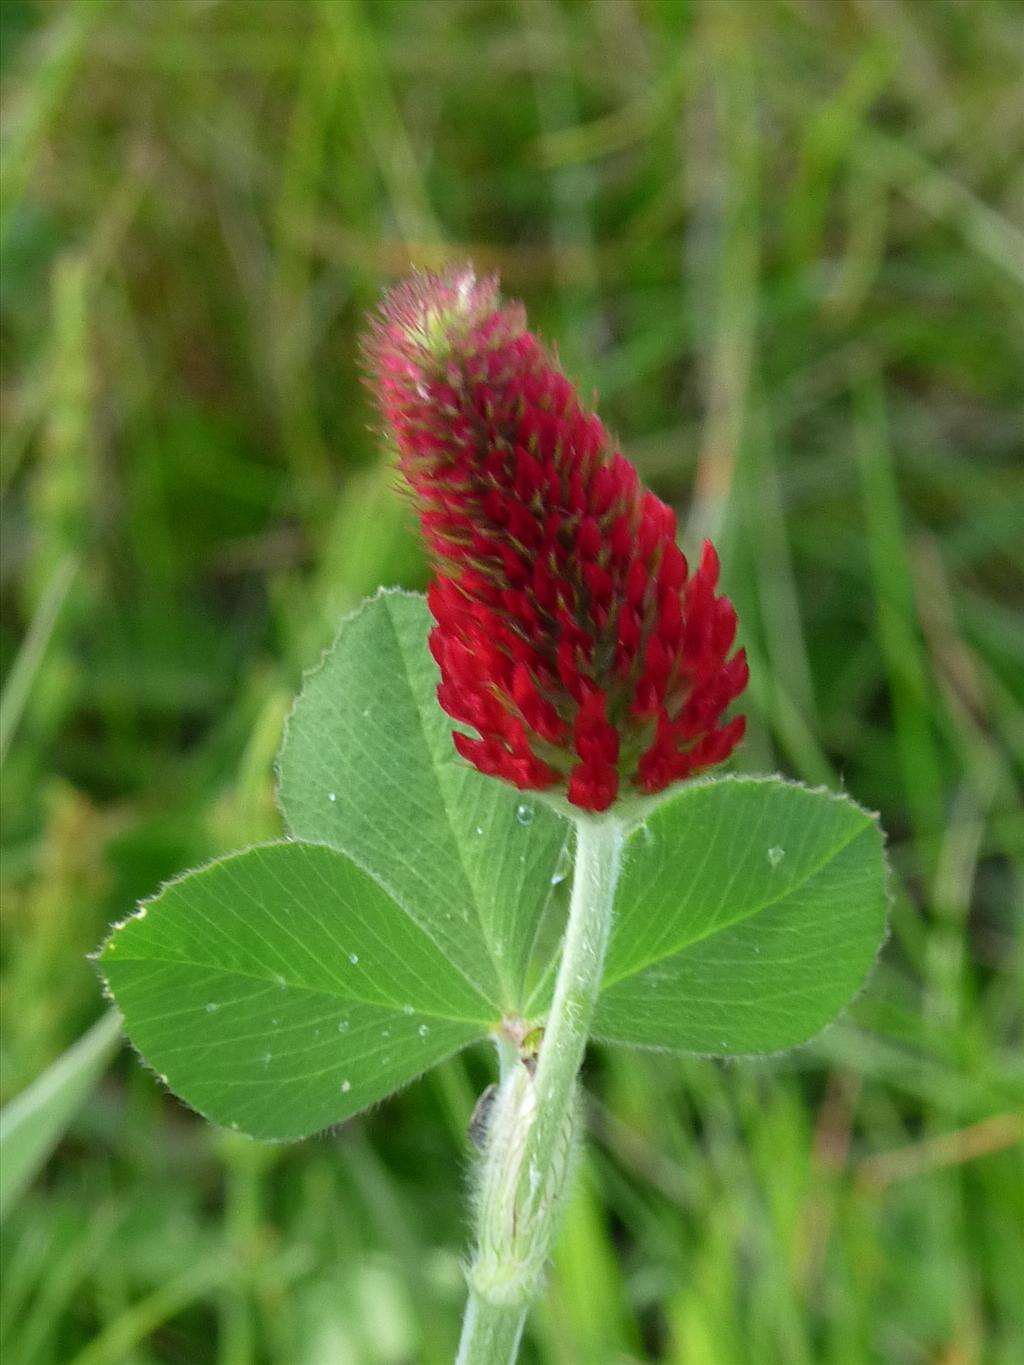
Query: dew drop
x,y
268,1057
776,855
562,867
423,1030
332,796
343,1026
282,984
479,829
408,1009
524,814
353,958
212,1007
346,1086
385,1033
275,1022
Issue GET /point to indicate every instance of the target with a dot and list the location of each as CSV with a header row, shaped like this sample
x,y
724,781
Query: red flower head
x,y
569,633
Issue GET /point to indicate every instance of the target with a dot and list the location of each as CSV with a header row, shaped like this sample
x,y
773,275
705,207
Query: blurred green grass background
x,y
783,241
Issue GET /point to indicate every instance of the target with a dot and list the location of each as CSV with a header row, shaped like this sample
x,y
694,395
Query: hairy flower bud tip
x,y
570,634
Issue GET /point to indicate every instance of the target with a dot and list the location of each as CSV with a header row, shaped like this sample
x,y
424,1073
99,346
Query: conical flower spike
x,y
570,634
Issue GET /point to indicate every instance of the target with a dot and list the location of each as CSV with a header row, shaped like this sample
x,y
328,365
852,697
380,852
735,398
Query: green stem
x,y
527,1163
595,876
490,1334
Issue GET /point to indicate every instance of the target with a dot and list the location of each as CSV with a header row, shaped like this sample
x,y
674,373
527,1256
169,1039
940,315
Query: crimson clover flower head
x,y
570,633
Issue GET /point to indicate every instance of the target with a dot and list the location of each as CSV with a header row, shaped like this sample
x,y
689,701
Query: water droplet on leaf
x,y
212,1007
423,1030
776,855
332,796
346,1086
353,958
563,867
524,814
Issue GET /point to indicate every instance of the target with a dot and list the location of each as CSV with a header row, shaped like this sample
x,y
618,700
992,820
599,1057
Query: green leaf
x,y
749,912
368,766
281,990
33,1122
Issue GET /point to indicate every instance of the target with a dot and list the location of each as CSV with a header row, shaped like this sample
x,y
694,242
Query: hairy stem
x,y
527,1163
490,1333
